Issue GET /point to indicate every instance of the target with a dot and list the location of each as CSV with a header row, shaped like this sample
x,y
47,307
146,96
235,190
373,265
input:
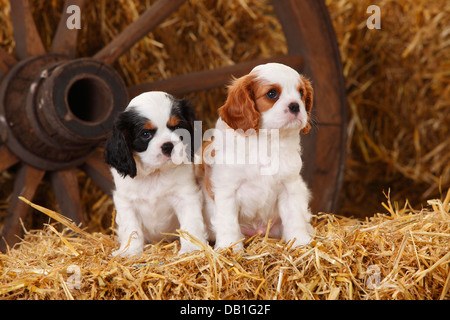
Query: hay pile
x,y
398,92
404,254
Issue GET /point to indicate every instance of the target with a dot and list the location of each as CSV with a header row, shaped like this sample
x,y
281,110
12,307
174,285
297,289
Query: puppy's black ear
x,y
117,151
188,114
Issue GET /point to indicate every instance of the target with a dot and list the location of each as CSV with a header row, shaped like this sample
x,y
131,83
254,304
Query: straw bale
x,y
401,254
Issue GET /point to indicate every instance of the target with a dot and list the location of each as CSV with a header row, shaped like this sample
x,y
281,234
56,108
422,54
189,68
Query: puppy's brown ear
x,y
308,100
239,110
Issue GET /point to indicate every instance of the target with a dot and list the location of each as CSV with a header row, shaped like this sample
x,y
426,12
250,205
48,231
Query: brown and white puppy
x,y
251,169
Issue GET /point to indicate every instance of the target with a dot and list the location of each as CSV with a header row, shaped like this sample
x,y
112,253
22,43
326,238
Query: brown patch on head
x,y
263,102
173,121
307,89
149,126
239,110
204,172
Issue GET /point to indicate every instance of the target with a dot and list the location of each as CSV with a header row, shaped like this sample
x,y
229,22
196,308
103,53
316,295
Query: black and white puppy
x,y
156,191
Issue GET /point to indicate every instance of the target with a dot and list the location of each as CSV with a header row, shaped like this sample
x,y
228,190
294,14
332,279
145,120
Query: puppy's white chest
x,y
257,197
146,194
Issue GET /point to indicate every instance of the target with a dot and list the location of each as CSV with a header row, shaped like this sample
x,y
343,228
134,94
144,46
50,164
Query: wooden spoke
x,y
67,194
7,61
65,40
149,20
98,170
209,79
7,158
28,41
25,185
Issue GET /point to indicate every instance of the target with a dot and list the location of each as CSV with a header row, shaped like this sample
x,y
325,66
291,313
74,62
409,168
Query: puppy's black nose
x,y
167,148
294,108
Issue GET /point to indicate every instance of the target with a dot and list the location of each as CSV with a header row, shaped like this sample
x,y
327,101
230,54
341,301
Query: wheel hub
x,y
54,111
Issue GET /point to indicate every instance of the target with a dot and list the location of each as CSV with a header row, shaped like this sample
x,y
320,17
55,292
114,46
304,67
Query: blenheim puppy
x,y
156,191
259,129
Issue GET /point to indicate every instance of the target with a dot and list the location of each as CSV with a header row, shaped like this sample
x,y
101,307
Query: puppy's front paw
x,y
302,241
128,252
188,247
236,247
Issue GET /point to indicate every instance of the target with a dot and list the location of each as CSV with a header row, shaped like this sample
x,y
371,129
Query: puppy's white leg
x,y
294,212
225,220
129,231
208,213
189,212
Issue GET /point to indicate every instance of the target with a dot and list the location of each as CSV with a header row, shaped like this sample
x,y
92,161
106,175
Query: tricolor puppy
x,y
262,118
156,190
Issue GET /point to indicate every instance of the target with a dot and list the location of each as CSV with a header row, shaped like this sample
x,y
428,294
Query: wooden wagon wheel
x,y
55,110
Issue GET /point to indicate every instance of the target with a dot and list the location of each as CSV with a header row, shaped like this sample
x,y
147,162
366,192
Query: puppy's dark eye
x,y
272,94
301,93
147,134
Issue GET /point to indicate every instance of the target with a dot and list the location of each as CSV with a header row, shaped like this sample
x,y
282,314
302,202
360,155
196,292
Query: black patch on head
x,y
183,110
130,133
